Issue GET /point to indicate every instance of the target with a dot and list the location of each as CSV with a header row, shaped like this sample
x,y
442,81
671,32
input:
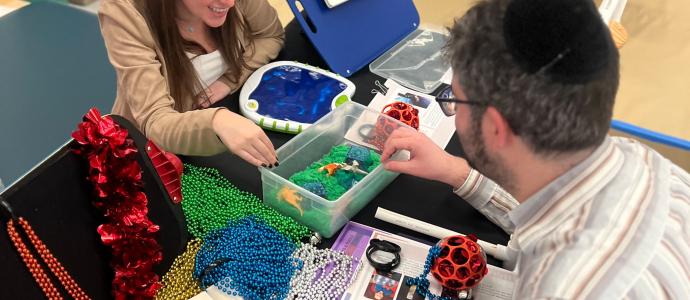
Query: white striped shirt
x,y
616,226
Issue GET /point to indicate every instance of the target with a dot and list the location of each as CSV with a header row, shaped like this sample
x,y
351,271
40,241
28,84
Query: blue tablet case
x,y
353,34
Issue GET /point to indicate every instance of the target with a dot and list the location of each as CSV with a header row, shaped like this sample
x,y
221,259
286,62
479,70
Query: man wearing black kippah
x,y
591,216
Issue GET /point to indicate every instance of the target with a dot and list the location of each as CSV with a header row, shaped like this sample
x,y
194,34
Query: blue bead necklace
x,y
247,258
422,282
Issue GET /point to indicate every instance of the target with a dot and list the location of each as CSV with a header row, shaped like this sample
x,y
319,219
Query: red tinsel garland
x,y
116,176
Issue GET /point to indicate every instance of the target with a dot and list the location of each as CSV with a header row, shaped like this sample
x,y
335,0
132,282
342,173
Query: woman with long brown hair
x,y
174,58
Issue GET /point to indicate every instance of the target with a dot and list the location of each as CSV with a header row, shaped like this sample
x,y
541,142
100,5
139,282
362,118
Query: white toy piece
x,y
334,3
288,97
612,10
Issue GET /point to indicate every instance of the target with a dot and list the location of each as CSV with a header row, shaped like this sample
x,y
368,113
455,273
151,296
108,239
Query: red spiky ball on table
x,y
461,264
403,112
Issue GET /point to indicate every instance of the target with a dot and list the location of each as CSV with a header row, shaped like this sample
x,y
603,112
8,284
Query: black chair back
x,y
55,197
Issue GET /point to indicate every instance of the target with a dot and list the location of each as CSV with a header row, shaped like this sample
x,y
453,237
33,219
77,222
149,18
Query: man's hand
x,y
427,160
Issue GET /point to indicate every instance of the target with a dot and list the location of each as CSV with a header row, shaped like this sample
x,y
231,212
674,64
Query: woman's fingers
x,y
264,153
269,146
249,158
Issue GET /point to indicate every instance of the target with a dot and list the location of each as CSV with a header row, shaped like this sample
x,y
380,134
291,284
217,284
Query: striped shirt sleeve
x,y
489,199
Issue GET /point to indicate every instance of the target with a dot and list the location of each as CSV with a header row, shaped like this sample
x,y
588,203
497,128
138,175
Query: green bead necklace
x,y
211,201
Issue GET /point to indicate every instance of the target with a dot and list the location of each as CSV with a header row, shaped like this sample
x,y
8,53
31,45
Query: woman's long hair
x,y
182,77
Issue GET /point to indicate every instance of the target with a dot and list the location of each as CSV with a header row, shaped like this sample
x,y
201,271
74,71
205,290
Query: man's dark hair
x,y
559,99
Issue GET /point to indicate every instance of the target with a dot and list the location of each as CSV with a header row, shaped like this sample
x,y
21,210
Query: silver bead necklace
x,y
325,273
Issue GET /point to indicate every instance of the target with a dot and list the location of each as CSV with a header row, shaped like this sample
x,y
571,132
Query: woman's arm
x,y
215,92
144,88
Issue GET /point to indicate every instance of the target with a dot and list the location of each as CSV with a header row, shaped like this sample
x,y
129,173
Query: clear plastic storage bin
x,y
350,123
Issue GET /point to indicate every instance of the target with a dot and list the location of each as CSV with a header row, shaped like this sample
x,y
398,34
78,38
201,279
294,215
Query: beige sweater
x,y
143,94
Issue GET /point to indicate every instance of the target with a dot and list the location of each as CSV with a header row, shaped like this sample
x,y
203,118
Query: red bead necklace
x,y
35,267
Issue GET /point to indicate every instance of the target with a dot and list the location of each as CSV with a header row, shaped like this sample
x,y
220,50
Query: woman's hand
x,y
214,93
244,138
427,160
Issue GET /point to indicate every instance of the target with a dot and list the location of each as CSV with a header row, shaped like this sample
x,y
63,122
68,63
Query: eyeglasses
x,y
448,102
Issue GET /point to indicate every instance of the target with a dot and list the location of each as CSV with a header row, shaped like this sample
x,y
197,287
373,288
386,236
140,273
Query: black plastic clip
x,y
209,269
7,209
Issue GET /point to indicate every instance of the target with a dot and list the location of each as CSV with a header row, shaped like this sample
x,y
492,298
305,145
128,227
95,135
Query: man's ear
x,y
496,130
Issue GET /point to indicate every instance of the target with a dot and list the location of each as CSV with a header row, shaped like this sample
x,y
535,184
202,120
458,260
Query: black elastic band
x,y
385,246
210,268
7,209
366,134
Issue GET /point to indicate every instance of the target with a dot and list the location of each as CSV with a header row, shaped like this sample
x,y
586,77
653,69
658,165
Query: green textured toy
x,y
338,171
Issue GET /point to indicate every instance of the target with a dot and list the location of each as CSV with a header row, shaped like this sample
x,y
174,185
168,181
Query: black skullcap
x,y
537,31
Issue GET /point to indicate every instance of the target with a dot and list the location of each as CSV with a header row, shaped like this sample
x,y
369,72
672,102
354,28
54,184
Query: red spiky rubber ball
x,y
403,112
461,264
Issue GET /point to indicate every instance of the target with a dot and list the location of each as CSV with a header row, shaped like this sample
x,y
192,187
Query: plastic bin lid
x,y
416,62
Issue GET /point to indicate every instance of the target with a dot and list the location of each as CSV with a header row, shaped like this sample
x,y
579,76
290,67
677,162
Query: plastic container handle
x,y
300,18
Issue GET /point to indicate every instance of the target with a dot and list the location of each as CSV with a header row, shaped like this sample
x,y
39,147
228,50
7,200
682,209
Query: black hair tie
x,y
217,263
385,246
